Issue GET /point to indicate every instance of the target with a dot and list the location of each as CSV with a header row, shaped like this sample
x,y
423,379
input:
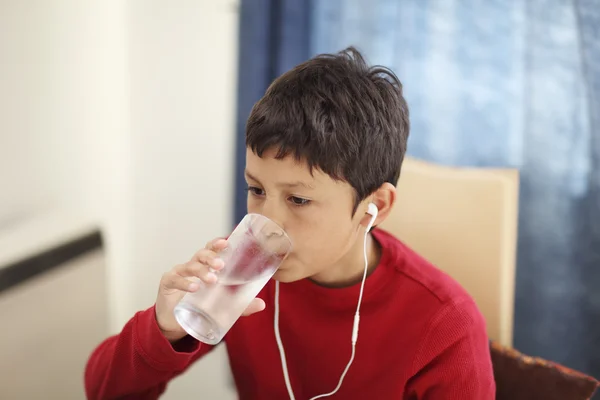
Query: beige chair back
x,y
464,220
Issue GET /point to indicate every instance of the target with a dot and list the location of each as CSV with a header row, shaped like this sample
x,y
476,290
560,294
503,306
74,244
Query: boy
x,y
327,139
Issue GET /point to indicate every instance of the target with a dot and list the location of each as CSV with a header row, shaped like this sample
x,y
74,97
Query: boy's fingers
x,y
203,265
216,244
172,280
255,306
199,270
209,258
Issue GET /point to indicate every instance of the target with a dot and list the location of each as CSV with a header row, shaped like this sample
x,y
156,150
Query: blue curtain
x,y
507,83
495,83
273,38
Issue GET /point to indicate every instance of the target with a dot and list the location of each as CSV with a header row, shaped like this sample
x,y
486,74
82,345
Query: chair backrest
x,y
464,221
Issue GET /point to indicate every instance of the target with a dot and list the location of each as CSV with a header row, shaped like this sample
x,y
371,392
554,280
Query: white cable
x,y
339,385
286,376
354,332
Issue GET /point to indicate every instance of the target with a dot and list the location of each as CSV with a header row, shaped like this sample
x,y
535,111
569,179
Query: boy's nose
x,y
273,238
274,213
272,230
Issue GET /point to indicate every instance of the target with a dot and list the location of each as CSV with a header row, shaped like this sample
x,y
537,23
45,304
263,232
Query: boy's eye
x,y
256,191
299,201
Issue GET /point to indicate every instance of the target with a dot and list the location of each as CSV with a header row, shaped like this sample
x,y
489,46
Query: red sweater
x,y
421,337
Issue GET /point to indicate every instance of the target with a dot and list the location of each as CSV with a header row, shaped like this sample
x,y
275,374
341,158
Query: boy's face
x,y
313,209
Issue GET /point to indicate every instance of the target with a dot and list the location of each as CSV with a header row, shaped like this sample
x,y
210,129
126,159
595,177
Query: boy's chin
x,y
285,276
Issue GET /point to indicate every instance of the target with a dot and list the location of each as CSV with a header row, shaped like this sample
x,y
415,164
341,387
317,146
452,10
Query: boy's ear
x,y
384,198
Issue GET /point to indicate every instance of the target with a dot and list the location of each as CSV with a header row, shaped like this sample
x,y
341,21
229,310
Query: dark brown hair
x,y
339,115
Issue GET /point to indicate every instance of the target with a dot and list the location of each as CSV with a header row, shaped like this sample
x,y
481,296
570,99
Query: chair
x,y
464,221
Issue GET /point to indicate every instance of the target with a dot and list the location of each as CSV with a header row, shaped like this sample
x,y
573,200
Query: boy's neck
x,y
350,269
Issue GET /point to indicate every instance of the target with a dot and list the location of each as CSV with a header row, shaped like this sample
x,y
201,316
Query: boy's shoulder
x,y
436,305
418,276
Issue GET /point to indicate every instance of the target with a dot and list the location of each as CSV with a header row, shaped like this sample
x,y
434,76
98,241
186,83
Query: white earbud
x,y
373,211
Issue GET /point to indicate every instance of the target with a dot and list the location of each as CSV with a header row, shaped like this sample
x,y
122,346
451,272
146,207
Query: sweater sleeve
x,y
453,360
138,362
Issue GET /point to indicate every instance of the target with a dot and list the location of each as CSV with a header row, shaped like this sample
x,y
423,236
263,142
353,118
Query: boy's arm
x,y
138,362
453,361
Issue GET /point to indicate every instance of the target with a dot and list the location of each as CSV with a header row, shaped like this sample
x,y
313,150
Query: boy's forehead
x,y
285,170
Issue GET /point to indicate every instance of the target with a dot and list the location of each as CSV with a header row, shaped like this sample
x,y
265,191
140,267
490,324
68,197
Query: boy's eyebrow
x,y
282,184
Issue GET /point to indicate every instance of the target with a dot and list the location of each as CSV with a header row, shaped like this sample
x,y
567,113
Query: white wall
x,y
183,75
125,111
64,120
183,79
63,106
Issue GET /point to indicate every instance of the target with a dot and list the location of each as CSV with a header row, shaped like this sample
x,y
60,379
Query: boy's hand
x,y
181,279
